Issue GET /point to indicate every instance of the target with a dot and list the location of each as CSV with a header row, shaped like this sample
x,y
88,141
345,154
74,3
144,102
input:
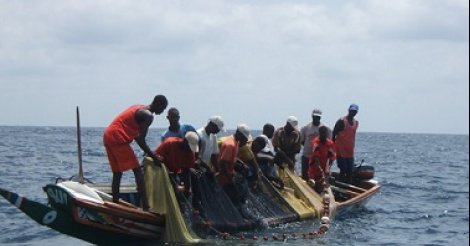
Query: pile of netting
x,y
263,207
218,216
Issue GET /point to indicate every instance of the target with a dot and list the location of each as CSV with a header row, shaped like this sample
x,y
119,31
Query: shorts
x,y
121,157
345,165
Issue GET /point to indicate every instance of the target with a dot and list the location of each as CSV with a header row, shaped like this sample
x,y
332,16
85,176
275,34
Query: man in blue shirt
x,y
176,129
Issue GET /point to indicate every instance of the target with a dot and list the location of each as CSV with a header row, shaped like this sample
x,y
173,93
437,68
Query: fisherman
x,y
209,149
268,131
246,173
179,157
227,162
247,156
132,124
176,129
286,141
322,157
344,136
307,134
267,160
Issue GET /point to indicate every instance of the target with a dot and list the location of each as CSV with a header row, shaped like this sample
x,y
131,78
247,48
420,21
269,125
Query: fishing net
x,y
162,199
218,213
266,203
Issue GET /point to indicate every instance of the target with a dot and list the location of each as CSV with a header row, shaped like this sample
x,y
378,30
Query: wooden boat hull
x,y
92,208
64,223
349,197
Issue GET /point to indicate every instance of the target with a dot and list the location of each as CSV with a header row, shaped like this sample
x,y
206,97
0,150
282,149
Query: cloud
x,y
261,56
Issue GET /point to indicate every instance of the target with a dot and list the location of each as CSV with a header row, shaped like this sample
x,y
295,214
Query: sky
x,y
404,62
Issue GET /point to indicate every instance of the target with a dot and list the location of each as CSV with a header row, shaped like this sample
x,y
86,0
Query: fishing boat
x,y
86,211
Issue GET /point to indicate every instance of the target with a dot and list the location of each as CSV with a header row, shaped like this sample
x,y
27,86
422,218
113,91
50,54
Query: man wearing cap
x,y
307,134
286,141
132,124
209,149
176,129
179,156
229,148
344,136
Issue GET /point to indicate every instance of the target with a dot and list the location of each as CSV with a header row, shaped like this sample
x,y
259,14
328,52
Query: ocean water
x,y
424,198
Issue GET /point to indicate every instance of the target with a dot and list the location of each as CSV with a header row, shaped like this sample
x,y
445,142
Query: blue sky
x,y
406,63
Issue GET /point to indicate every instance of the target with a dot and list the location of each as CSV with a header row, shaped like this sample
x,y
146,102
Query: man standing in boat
x,y
344,136
322,156
307,134
132,124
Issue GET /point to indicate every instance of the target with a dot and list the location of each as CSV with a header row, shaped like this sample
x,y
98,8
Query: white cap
x,y
193,141
317,112
217,120
245,130
292,120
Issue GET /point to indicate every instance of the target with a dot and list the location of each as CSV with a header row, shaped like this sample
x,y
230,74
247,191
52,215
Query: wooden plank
x,y
107,188
344,191
350,186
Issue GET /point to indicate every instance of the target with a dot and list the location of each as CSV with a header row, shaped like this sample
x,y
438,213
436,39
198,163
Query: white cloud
x,y
251,61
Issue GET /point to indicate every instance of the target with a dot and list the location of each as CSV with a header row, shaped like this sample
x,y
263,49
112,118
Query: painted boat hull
x,y
349,197
64,223
97,223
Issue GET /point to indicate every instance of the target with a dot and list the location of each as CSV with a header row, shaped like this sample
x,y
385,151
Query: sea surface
x,y
424,198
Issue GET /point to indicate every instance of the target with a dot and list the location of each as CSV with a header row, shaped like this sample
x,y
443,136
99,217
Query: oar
x,y
81,179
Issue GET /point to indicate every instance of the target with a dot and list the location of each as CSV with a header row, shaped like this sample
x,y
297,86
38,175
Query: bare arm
x,y
255,165
145,118
339,126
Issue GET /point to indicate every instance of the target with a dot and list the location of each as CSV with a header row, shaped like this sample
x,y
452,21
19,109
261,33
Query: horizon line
x,y
379,132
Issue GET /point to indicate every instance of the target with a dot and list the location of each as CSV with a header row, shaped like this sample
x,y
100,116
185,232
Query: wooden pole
x,y
79,145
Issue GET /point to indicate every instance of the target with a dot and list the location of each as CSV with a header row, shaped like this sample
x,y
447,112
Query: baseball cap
x,y
317,112
193,141
245,130
217,120
292,120
354,107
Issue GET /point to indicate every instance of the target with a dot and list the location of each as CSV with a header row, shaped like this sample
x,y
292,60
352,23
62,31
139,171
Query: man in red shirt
x,y
323,155
344,136
179,156
130,125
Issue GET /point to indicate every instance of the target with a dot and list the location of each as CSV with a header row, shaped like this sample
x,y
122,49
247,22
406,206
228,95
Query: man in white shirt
x,y
208,147
307,134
